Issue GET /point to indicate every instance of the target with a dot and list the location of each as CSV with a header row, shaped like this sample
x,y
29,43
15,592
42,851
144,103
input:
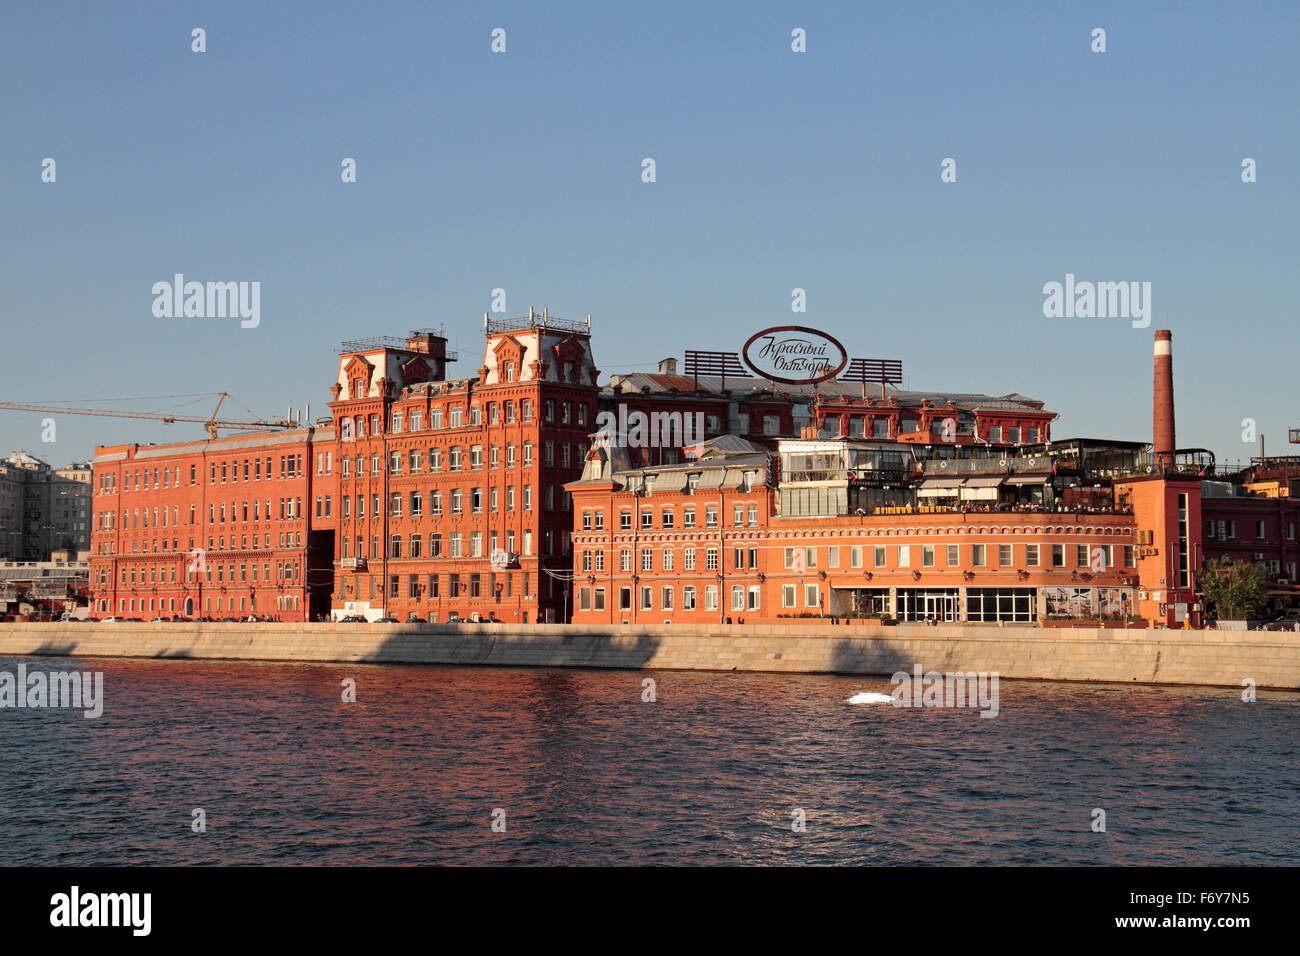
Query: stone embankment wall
x,y
1220,658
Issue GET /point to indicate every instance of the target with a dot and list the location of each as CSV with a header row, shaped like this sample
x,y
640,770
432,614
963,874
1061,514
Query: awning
x,y
938,488
1019,480
981,489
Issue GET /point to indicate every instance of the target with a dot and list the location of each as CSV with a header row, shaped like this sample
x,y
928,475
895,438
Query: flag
x,y
852,476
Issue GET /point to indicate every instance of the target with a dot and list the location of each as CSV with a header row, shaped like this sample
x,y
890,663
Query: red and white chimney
x,y
1162,444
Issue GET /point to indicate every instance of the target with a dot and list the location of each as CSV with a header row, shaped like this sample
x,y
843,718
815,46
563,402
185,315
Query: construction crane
x,y
211,423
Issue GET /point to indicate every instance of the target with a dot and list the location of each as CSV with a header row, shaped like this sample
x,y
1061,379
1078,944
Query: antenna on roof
x,y
588,321
485,321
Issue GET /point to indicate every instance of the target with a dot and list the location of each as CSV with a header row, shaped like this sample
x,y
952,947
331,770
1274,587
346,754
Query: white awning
x,y
938,488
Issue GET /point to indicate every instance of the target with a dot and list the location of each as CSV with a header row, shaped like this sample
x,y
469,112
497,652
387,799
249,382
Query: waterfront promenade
x,y
1269,659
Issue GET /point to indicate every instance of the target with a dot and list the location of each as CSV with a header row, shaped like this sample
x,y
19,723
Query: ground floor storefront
x,y
1012,605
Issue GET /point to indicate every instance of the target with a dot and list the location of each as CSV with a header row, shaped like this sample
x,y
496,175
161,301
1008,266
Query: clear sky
x,y
522,170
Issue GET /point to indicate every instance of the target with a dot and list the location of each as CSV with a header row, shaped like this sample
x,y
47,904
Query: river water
x,y
579,769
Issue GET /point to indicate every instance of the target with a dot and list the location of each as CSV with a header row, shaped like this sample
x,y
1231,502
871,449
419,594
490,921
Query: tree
x,y
1235,590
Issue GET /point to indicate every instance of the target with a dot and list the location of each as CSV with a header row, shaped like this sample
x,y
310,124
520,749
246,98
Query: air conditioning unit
x,y
353,564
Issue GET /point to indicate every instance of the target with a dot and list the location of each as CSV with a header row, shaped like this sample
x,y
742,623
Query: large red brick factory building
x,y
528,492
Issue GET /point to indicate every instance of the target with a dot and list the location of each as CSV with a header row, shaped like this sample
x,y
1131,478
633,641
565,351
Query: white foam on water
x,y
866,697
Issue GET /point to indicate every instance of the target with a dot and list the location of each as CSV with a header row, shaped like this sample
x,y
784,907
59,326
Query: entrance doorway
x,y
941,607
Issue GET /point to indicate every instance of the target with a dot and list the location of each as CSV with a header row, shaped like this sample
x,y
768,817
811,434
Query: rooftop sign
x,y
794,354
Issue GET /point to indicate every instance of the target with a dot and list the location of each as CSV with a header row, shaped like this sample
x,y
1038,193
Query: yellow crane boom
x,y
211,423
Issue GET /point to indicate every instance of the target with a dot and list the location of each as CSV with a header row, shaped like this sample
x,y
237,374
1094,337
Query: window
x,y
688,517
1004,555
787,595
647,520
1081,555
688,598
688,559
977,555
1058,555
711,559
878,556
666,599
811,596
927,555
1031,555
737,598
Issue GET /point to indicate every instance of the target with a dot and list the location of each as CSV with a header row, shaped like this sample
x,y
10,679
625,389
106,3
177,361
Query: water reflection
x,y
587,772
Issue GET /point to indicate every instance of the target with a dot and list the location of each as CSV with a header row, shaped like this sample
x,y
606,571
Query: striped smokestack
x,y
1163,406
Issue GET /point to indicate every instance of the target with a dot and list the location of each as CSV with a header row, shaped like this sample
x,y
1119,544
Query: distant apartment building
x,y
42,509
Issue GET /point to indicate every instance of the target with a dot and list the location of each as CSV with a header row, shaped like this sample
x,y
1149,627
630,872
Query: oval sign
x,y
794,354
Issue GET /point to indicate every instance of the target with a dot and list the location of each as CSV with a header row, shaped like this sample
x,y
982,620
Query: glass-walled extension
x,y
839,477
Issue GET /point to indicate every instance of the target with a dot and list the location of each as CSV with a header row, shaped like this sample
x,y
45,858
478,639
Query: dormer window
x,y
692,483
510,371
358,389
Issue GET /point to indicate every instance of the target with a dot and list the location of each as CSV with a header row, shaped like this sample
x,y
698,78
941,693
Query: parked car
x,y
352,619
110,620
389,619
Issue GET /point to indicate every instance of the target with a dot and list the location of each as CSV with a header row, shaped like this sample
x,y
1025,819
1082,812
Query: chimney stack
x,y
668,366
1162,444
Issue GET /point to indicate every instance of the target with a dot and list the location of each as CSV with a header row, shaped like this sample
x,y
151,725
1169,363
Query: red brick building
x,y
451,491
713,539
214,528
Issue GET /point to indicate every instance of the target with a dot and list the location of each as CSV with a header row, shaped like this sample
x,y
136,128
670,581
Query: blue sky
x,y
775,170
